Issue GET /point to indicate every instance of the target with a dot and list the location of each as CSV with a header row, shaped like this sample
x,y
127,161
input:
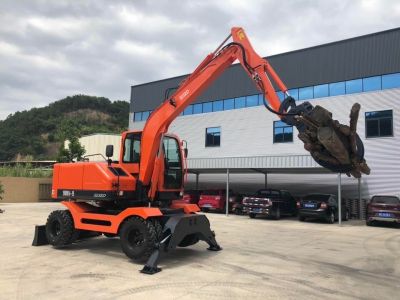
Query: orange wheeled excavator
x,y
132,197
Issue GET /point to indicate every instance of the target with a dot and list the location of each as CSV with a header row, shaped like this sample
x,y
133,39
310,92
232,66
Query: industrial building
x,y
231,135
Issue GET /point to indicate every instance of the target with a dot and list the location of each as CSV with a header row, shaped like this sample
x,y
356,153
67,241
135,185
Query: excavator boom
x,y
333,145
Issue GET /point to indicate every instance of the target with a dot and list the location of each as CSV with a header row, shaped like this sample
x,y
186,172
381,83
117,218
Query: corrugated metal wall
x,y
364,56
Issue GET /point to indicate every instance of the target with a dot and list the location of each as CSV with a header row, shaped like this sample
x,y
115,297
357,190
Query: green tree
x,y
75,151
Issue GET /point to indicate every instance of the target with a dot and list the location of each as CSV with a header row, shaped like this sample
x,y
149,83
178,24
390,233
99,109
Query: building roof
x,y
362,56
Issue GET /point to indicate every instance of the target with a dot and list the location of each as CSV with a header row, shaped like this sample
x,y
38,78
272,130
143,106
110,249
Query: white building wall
x,y
249,132
96,143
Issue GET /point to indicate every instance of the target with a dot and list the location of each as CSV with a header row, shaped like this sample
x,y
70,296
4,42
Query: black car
x,y
321,206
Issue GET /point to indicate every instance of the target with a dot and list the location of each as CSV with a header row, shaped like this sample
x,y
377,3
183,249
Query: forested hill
x,y
39,132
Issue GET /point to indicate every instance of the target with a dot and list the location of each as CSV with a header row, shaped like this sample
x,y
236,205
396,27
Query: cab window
x,y
132,148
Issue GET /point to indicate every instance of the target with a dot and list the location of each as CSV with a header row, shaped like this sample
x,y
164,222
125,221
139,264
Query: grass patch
x,y
25,171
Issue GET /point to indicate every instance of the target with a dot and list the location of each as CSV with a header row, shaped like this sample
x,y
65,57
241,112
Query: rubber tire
x,y
301,218
277,214
252,215
189,240
346,216
60,230
149,238
370,223
158,228
331,218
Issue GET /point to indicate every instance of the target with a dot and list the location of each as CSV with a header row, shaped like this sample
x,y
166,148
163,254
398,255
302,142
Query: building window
x,y
197,108
218,105
283,133
145,115
294,93
240,102
337,88
372,83
252,100
207,107
321,90
391,81
306,93
353,86
213,136
188,110
229,104
137,116
379,123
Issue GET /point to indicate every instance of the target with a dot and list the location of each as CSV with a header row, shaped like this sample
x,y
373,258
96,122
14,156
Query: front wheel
x,y
138,238
301,218
60,230
331,218
252,215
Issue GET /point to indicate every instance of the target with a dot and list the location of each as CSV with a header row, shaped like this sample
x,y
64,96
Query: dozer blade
x,y
334,146
181,231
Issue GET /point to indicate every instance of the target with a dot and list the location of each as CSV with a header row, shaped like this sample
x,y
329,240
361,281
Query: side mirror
x,y
186,151
109,151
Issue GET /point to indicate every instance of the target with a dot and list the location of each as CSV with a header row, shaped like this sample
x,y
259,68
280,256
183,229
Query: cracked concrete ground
x,y
262,259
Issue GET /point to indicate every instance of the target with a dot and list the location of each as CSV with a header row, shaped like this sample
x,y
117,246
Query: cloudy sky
x,y
53,49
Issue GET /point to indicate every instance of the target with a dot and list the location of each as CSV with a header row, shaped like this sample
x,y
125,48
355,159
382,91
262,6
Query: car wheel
x,y
252,215
278,214
331,218
346,216
204,209
302,219
370,223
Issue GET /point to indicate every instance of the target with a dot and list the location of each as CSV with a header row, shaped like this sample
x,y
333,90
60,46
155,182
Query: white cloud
x,y
53,49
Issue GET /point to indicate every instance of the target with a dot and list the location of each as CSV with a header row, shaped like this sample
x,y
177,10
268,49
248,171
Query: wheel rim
x,y
135,238
55,229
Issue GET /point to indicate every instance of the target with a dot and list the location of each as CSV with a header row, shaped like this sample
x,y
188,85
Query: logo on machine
x,y
98,195
68,193
184,94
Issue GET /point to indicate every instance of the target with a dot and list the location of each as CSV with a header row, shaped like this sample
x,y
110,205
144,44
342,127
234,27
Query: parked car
x,y
321,206
189,197
215,200
383,209
271,203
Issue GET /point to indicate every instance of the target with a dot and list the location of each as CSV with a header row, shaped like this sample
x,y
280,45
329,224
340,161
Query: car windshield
x,y
316,197
385,200
268,194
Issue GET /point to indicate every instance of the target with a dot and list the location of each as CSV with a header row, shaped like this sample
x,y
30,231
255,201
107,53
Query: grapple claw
x,y
334,146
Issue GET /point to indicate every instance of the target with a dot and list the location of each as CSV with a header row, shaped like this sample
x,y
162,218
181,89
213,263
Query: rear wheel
x,y
346,216
301,218
138,238
60,230
370,223
252,215
278,214
331,218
